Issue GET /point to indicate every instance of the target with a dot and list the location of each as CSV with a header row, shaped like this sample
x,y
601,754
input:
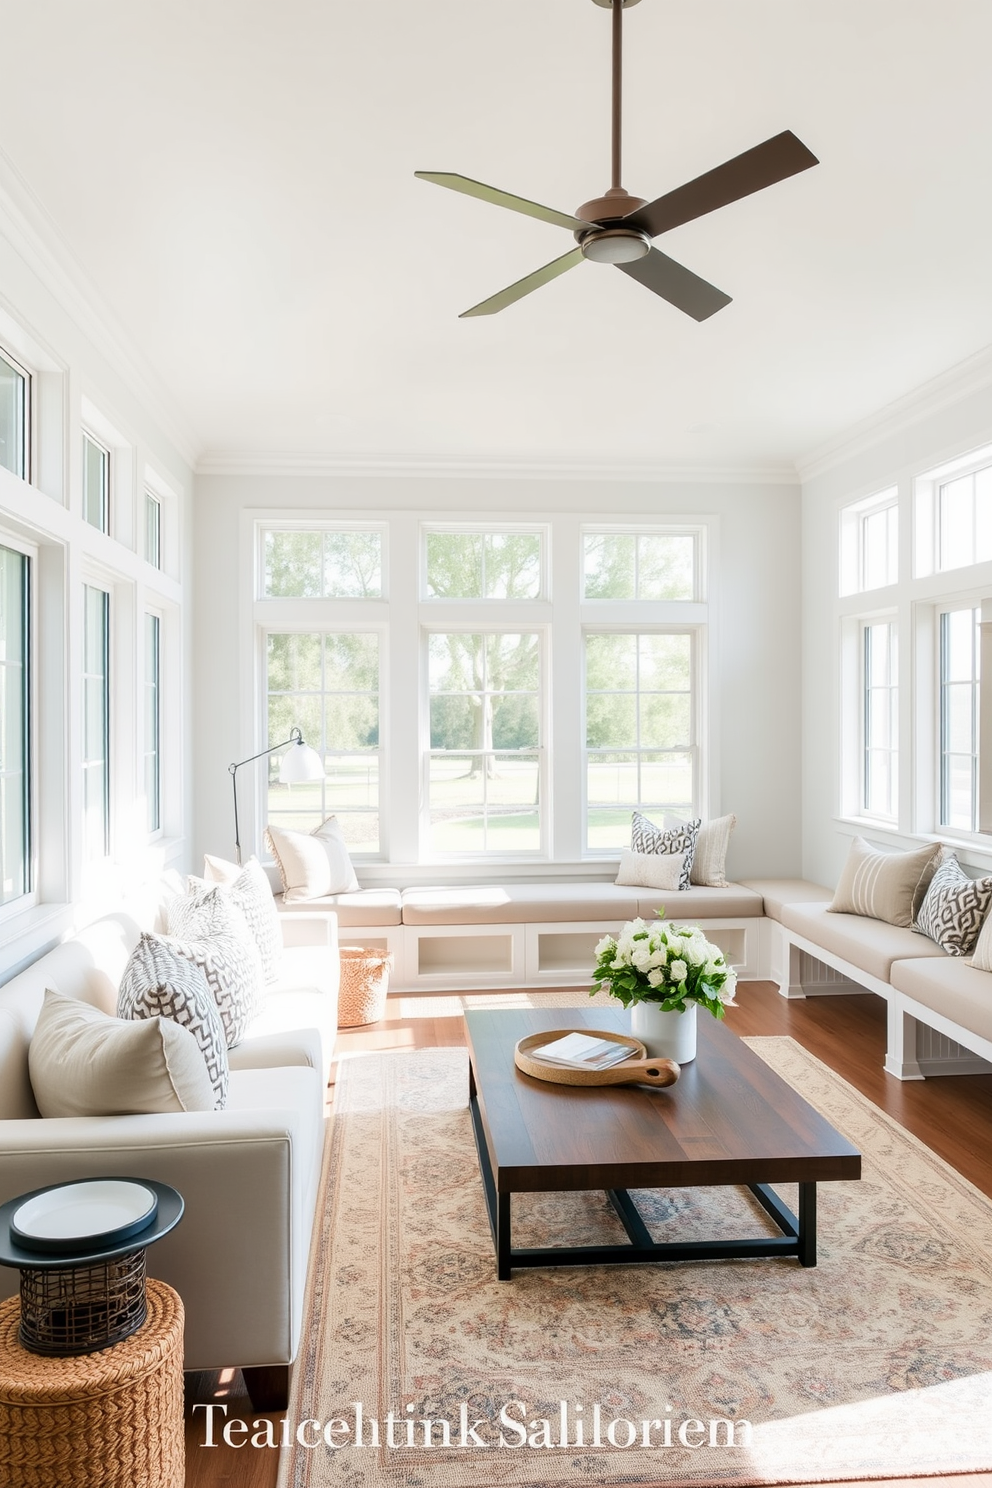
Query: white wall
x,y
755,605
50,323
905,444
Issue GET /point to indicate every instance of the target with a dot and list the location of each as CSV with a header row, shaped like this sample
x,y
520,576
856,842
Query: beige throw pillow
x,y
887,886
982,958
709,861
650,870
83,1063
312,864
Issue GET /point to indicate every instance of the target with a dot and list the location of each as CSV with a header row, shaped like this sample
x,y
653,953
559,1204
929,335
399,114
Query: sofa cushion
x,y
709,860
645,837
158,983
84,1063
250,890
514,904
776,893
869,945
885,886
651,870
732,903
949,986
954,908
364,907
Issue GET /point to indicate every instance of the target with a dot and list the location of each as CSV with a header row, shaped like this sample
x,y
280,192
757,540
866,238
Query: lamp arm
x,y
295,737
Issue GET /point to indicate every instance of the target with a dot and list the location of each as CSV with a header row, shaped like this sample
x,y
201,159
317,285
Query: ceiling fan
x,y
617,228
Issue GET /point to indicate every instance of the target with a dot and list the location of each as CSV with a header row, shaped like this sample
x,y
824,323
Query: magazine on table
x,y
583,1051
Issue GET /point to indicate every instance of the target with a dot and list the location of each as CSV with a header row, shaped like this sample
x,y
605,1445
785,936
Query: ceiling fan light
x,y
615,245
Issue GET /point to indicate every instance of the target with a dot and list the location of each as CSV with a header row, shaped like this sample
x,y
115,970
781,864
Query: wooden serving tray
x,y
637,1070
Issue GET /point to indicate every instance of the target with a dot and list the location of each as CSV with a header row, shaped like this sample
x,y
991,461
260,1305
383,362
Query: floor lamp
x,y
299,764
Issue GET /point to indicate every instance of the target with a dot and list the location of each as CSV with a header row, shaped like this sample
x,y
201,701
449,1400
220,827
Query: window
x,y
96,484
960,652
96,723
327,685
881,720
640,565
15,817
484,565
153,724
870,543
639,730
964,520
14,411
484,762
332,564
153,530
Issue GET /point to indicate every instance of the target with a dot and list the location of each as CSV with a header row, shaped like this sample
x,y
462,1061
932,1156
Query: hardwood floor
x,y
952,1115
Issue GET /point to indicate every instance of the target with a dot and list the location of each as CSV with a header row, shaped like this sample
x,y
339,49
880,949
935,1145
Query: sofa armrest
x,y
309,928
248,1178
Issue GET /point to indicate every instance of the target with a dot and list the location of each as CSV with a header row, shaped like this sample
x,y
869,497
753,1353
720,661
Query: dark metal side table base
x,y
798,1237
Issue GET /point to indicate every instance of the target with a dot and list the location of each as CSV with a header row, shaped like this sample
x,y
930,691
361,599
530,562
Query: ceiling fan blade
x,y
782,156
502,199
679,286
525,286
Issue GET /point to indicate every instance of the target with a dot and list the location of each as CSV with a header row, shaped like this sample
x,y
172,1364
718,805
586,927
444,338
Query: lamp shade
x,y
300,763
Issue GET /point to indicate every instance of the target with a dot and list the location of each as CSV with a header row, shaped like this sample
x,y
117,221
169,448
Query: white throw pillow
x,y
83,1063
651,870
159,983
982,958
709,861
314,864
645,837
250,890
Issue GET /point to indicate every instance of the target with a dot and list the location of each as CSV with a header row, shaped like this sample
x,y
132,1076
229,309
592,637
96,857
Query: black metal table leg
x,y
807,1224
503,1236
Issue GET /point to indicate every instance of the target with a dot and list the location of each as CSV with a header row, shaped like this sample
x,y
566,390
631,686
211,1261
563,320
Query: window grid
x,y
153,530
15,792
96,723
499,563
15,414
327,685
324,563
96,484
964,520
644,566
960,653
880,778
484,766
153,724
647,759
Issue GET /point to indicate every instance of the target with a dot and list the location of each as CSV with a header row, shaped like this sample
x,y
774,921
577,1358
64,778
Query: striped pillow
x,y
885,886
954,908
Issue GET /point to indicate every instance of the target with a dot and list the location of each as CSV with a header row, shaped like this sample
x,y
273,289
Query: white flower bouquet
x,y
670,965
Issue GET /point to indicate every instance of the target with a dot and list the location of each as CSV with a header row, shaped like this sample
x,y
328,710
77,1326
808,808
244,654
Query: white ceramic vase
x,y
665,1035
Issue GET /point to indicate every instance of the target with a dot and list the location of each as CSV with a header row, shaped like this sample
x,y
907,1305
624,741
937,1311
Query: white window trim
x,y
926,511
31,899
108,530
853,515
149,609
28,432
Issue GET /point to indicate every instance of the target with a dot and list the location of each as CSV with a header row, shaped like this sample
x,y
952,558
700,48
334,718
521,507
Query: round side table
x,y
112,1419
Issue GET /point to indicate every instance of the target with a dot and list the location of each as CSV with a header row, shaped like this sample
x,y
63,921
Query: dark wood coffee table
x,y
730,1120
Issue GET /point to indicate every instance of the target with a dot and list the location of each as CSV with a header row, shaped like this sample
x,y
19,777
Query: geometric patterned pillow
x,y
249,890
234,975
159,984
645,837
954,908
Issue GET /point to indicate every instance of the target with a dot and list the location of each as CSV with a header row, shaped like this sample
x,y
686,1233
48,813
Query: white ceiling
x,y
236,179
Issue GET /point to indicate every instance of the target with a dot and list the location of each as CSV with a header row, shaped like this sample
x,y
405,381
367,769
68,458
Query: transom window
x,y
329,564
14,410
964,520
639,730
15,817
880,778
640,565
870,543
327,685
960,658
96,484
484,762
153,530
484,565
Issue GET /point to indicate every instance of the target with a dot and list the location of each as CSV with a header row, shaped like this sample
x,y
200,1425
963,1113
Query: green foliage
x,y
483,565
668,965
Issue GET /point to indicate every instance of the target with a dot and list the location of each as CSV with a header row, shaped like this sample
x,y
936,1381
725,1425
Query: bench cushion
x,y
778,892
515,904
870,945
951,987
363,907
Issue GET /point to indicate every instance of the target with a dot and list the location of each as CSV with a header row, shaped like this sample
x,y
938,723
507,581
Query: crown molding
x,y
970,376
34,236
246,462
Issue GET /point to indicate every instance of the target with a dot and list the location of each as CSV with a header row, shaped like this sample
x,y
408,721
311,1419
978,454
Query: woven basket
x,y
364,984
112,1419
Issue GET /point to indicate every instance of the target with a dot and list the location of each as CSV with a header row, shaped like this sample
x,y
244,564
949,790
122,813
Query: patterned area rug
x,y
877,1363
